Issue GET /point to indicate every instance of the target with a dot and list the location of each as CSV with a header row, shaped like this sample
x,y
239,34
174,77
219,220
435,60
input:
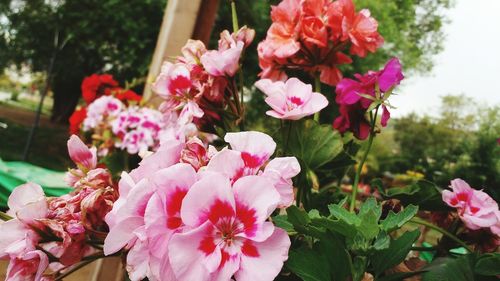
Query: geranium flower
x,y
228,232
97,85
292,99
352,96
223,62
76,120
81,155
27,266
475,208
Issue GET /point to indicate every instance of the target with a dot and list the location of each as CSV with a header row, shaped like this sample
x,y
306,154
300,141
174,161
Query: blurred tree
x,y
114,36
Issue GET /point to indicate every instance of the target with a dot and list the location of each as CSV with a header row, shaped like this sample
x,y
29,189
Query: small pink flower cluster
x,y
310,35
192,213
198,81
132,128
138,129
355,97
475,208
53,232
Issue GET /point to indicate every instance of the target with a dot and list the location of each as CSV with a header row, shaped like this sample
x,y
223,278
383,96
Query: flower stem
x,y
362,163
75,268
317,89
234,16
439,229
4,216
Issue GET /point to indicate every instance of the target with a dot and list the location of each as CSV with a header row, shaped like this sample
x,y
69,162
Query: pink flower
x,y
292,99
280,171
228,232
174,80
223,62
81,155
195,153
27,266
192,51
244,34
27,202
476,208
100,110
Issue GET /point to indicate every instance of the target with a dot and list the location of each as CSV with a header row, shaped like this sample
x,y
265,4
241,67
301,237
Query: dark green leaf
x,y
314,144
338,257
310,265
359,266
488,264
449,269
399,276
282,222
382,242
369,224
297,216
396,253
395,221
424,194
336,226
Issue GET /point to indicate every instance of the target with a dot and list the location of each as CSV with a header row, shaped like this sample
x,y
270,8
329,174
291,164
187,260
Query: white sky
x,y
469,63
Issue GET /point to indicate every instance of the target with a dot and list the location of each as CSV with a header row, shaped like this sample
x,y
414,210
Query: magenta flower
x,y
228,232
475,208
291,100
354,97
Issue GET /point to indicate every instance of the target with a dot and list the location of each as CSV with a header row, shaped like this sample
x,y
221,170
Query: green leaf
x,y
395,221
369,224
488,264
396,253
314,214
310,265
382,242
314,144
344,215
359,267
399,276
449,269
297,216
338,257
282,222
423,193
336,226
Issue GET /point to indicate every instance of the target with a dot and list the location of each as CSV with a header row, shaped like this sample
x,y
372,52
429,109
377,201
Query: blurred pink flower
x,y
27,266
476,208
292,99
280,171
81,155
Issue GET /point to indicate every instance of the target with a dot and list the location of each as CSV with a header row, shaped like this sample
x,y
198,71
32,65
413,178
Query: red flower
x,y
95,85
127,95
76,120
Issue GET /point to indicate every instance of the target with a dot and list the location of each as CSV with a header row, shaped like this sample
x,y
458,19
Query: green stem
x,y
317,89
4,216
439,229
361,164
234,16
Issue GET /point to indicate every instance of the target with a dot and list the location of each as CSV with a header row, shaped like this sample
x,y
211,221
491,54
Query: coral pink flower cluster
x,y
53,232
291,100
311,35
354,98
191,213
198,80
132,128
475,208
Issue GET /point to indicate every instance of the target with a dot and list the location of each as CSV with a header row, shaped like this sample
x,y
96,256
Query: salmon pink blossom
x,y
291,100
476,208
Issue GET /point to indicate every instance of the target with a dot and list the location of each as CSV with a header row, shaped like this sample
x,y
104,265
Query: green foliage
x,y
360,241
468,267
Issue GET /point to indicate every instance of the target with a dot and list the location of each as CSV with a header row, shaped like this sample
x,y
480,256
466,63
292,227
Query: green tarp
x,y
14,173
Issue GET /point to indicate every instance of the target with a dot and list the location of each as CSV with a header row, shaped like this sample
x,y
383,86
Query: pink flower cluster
x,y
475,208
191,213
53,232
355,97
291,100
310,35
132,128
200,79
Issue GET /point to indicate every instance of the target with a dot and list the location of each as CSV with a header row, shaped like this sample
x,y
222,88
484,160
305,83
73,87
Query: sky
x,y
469,63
